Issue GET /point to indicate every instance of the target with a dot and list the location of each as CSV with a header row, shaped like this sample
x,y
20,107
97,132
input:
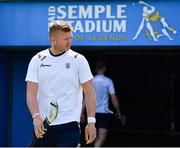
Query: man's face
x,y
62,40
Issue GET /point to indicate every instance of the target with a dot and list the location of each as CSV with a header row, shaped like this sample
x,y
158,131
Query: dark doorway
x,y
146,81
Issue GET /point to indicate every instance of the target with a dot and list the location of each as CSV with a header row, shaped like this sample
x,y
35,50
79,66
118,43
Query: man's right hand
x,y
38,127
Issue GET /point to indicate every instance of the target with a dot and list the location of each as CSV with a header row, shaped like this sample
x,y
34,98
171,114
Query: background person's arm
x,y
118,114
115,103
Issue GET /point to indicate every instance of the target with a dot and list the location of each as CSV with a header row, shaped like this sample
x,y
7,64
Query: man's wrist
x,y
91,120
36,115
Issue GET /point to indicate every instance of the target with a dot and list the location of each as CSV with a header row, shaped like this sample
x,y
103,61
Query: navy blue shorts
x,y
103,120
64,135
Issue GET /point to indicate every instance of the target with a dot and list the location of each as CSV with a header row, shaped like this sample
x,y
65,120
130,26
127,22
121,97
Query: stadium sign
x,y
95,23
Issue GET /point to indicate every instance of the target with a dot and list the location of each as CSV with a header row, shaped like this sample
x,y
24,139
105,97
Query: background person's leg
x,y
101,137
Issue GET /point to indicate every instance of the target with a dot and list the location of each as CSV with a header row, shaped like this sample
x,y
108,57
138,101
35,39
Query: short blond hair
x,y
59,26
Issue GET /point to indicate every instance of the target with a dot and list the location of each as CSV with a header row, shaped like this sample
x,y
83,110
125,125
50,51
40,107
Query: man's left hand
x,y
90,133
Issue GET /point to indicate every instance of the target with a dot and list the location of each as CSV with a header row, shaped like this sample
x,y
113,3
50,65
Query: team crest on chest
x,y
68,65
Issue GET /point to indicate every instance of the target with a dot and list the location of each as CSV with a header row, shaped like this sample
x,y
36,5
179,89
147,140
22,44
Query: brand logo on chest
x,y
68,65
45,65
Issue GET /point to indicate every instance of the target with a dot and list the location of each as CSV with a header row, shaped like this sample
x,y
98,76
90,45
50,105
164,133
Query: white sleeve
x,y
32,72
84,70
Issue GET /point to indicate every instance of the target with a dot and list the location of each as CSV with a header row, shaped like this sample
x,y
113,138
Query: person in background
x,y
61,74
104,88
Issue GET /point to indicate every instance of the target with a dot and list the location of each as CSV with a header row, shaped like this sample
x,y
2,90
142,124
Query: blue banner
x,y
95,23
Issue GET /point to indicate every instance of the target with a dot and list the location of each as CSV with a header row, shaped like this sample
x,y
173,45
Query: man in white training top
x,y
58,73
